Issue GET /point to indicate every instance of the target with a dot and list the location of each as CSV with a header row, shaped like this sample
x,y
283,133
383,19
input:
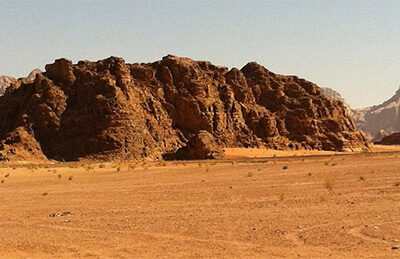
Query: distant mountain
x,y
380,120
6,81
32,75
329,92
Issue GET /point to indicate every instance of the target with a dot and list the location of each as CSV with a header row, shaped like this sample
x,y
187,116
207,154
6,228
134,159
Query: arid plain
x,y
339,205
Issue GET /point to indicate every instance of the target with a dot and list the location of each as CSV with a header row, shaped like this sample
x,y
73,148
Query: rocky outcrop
x,y
5,81
175,107
392,139
33,73
379,120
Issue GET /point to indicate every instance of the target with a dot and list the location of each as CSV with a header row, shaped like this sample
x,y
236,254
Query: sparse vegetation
x,y
330,183
285,167
102,165
362,178
59,176
118,169
282,196
44,194
397,183
6,175
70,178
250,174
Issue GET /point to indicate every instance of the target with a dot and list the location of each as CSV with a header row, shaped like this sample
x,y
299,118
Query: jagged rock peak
x,y
174,107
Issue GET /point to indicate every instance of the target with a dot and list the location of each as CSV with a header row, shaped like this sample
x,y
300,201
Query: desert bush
x,y
362,178
250,174
330,183
282,196
285,167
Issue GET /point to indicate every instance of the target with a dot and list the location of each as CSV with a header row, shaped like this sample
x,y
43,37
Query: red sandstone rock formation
x,y
175,107
392,139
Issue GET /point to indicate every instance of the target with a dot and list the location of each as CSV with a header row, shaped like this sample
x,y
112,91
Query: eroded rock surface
x,y
175,106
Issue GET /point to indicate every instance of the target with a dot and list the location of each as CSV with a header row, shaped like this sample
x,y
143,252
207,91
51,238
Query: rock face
x,y
392,139
175,107
379,120
5,81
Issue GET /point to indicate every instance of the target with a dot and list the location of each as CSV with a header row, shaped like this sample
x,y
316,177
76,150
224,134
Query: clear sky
x,y
350,46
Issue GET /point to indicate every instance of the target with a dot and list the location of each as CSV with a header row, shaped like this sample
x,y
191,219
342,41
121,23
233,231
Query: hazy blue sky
x,y
351,46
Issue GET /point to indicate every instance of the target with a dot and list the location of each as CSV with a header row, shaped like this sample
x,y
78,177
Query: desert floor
x,y
330,205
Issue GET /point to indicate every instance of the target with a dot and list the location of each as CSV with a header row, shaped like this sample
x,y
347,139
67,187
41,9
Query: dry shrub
x,y
330,183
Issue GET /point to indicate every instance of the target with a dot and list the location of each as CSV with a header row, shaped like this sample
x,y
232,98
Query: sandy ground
x,y
338,206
